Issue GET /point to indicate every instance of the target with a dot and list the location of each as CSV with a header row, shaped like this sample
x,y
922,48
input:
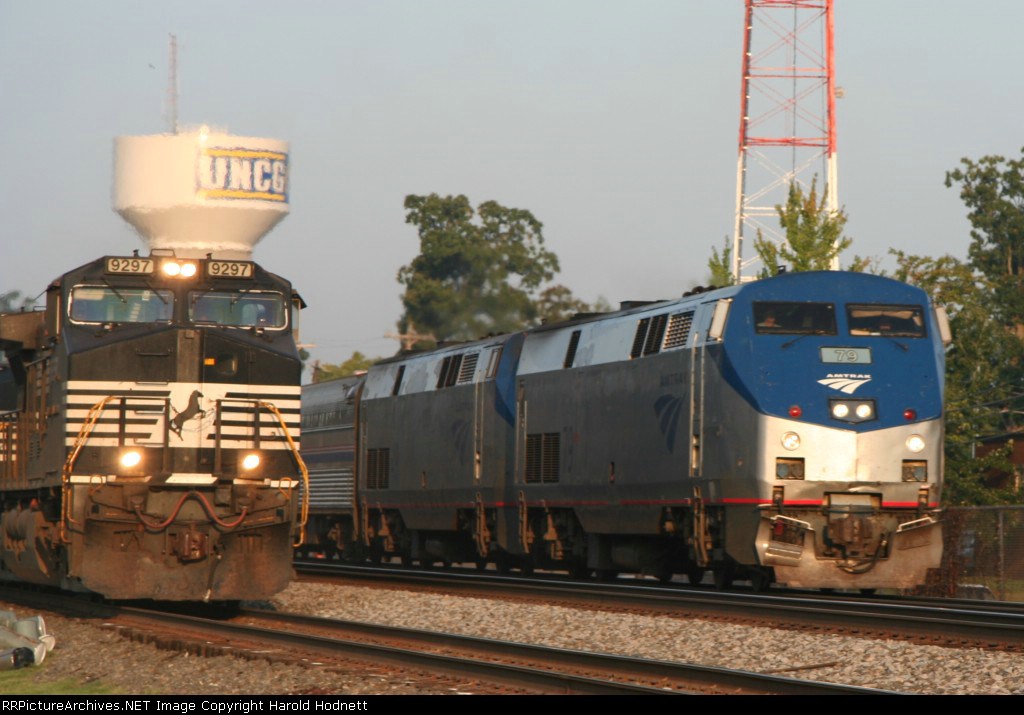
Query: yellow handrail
x,y
83,434
304,509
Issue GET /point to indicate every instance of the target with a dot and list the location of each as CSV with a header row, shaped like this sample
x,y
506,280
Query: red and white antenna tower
x,y
787,115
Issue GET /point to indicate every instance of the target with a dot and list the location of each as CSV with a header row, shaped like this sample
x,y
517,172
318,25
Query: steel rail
x,y
977,623
551,670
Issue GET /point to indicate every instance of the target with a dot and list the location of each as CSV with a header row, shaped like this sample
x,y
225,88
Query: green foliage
x,y
992,188
976,373
356,363
12,301
478,272
814,235
720,265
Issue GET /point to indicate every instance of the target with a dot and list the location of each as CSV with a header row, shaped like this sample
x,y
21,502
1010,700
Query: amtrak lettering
x,y
242,174
844,382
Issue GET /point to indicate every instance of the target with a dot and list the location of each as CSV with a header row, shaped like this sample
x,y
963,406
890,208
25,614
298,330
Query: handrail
x,y
304,509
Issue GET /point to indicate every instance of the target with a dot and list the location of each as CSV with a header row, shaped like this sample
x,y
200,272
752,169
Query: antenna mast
x,y
787,116
172,85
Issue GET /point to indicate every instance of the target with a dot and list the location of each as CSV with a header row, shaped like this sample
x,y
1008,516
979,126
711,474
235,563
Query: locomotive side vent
x,y
450,367
678,330
398,381
639,338
655,334
378,468
468,368
570,353
543,456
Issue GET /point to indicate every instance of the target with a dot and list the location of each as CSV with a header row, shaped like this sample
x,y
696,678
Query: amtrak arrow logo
x,y
845,383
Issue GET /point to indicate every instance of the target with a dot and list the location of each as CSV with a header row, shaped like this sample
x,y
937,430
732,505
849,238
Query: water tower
x,y
201,192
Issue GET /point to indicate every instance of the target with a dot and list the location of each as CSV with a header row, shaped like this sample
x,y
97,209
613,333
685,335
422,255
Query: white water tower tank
x,y
201,192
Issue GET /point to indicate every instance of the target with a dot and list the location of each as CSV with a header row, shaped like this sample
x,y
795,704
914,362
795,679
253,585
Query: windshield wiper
x,y
797,339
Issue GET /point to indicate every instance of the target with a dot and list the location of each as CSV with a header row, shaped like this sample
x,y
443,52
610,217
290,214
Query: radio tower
x,y
787,116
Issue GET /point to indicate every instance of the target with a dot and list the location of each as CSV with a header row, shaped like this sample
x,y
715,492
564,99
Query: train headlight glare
x,y
915,443
188,270
864,410
131,458
251,461
791,441
171,268
840,410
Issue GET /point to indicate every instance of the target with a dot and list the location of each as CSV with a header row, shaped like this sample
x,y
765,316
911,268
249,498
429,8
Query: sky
x,y
614,123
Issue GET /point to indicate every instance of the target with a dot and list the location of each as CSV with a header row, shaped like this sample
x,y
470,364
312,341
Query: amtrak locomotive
x,y
787,430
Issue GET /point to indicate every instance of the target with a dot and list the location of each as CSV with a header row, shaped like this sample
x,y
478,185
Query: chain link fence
x,y
984,554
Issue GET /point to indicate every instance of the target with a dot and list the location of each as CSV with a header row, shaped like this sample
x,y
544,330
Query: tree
x,y
977,388
993,190
12,301
356,363
814,235
479,271
720,266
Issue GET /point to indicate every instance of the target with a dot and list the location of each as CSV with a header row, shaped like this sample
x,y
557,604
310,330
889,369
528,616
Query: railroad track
x,y
471,665
953,623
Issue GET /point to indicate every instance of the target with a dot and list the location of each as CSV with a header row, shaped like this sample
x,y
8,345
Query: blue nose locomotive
x,y
785,430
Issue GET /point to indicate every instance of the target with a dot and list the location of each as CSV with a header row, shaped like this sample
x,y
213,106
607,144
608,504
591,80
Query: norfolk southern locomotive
x,y
146,447
785,430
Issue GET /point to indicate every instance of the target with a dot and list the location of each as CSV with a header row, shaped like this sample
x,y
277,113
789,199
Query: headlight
x,y
791,441
852,411
915,443
131,458
176,269
251,461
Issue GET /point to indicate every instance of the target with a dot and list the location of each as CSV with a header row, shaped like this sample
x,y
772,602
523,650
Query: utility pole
x,y
787,116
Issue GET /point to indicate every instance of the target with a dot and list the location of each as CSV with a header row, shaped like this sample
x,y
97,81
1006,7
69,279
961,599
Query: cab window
x,y
904,321
795,318
104,304
247,309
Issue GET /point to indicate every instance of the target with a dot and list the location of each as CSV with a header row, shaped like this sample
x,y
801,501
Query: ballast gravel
x,y
88,652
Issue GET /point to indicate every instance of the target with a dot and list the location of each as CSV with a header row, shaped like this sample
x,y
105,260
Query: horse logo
x,y
191,410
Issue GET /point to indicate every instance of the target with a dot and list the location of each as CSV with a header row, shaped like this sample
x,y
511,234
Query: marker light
x,y
795,412
909,414
791,440
251,461
131,458
915,443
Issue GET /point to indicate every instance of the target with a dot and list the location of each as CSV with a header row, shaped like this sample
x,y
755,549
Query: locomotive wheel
x,y
480,563
503,563
695,575
578,569
760,580
724,577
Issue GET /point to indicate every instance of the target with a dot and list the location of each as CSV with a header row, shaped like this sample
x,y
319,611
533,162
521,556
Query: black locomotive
x,y
149,427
